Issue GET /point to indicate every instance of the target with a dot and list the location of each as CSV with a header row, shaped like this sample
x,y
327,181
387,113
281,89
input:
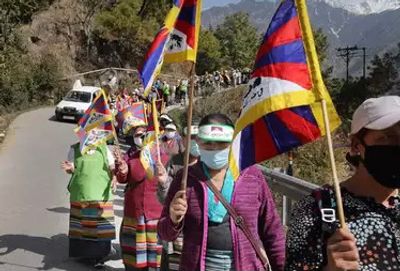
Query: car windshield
x,y
78,96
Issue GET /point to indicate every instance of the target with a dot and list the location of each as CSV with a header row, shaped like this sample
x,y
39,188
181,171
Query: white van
x,y
76,102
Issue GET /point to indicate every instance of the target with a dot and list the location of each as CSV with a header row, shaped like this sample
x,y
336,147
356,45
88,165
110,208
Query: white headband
x,y
216,132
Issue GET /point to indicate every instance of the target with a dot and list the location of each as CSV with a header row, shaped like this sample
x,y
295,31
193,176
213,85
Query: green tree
x,y
123,30
321,44
14,13
383,74
209,52
239,40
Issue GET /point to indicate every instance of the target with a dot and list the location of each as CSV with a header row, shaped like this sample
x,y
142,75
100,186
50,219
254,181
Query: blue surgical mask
x,y
215,159
194,148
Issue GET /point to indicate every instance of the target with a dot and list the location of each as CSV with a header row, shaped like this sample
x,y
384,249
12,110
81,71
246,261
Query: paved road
x,y
34,205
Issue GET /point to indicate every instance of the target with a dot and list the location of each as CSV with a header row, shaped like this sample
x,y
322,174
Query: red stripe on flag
x,y
287,33
190,3
161,37
295,72
264,145
298,126
189,30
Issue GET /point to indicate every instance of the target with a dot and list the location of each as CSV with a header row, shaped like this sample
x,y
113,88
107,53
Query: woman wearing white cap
x,y
371,204
171,141
172,250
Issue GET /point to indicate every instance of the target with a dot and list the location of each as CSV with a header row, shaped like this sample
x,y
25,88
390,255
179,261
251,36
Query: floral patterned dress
x,y
375,227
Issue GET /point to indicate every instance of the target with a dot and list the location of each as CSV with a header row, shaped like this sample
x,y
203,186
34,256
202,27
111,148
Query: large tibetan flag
x,y
183,41
282,108
176,41
154,58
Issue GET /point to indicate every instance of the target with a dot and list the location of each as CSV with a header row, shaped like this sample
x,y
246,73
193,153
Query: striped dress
x,y
91,225
93,220
139,243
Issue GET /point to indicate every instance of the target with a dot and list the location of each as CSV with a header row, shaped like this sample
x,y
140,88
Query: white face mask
x,y
170,135
138,140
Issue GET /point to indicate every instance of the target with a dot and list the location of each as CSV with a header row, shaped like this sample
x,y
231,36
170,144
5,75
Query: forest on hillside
x,y
43,42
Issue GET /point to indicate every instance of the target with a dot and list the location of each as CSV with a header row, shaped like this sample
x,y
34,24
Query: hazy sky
x,y
212,3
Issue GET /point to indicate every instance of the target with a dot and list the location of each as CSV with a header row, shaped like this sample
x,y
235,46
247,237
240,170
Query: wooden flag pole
x,y
189,129
336,184
319,87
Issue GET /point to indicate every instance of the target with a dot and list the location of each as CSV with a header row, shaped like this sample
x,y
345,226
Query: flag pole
x,y
156,128
189,129
319,86
333,166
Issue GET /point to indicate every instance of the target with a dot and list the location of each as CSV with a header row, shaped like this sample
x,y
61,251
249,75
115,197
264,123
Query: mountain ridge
x,y
342,28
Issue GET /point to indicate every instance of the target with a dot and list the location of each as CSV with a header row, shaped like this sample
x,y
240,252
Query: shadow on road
x,y
60,210
54,251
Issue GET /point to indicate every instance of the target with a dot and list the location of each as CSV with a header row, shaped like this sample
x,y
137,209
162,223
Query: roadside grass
x,y
7,118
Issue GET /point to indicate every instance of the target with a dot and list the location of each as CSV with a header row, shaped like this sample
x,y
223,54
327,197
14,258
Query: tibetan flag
x,y
148,158
95,137
282,108
132,116
98,113
183,41
154,58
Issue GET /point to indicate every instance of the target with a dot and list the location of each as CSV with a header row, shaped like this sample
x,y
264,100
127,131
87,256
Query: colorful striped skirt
x,y
92,221
140,245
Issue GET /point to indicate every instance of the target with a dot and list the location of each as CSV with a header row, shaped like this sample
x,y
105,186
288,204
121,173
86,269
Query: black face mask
x,y
383,163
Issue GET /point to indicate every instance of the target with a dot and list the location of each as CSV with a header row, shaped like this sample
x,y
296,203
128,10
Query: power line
x,y
349,52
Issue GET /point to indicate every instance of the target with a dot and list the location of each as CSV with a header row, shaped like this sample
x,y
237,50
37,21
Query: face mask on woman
x,y
382,162
215,159
138,140
170,135
194,148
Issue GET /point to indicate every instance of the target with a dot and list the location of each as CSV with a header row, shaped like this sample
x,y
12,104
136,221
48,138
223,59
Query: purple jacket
x,y
251,198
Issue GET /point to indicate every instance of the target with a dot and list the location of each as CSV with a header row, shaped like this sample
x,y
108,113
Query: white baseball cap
x,y
171,126
376,114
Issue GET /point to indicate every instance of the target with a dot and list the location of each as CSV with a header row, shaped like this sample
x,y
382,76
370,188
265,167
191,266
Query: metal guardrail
x,y
291,188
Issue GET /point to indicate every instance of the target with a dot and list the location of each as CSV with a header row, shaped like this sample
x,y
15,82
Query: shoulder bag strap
x,y
239,221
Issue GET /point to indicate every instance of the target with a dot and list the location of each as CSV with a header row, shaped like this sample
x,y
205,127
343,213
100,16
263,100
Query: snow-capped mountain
x,y
364,7
377,31
360,7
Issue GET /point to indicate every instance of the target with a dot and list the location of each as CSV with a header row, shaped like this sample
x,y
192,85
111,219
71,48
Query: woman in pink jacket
x,y
212,240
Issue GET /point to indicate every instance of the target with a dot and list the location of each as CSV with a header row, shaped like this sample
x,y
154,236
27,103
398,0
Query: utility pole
x,y
347,53
364,64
